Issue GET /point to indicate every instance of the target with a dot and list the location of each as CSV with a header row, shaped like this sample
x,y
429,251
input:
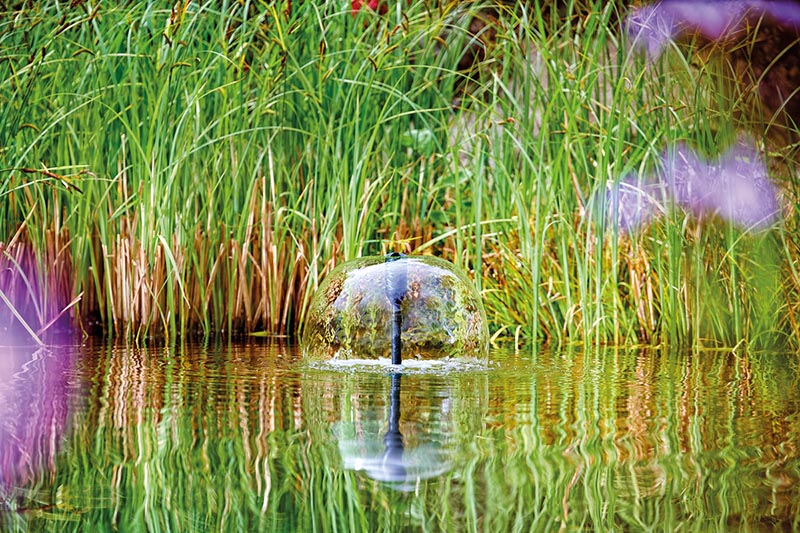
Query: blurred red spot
x,y
372,5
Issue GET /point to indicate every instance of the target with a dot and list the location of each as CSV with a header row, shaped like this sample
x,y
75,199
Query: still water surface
x,y
248,437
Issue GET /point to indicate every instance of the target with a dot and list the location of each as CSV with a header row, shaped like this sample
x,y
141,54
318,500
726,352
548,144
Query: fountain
x,y
396,306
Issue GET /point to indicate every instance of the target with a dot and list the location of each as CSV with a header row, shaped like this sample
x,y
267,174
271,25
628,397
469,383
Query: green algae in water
x,y
351,315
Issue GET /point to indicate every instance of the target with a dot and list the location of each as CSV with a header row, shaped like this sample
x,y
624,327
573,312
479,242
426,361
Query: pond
x,y
248,437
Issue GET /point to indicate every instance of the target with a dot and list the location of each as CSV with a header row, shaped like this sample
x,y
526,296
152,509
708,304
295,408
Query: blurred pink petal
x,y
33,413
735,187
651,27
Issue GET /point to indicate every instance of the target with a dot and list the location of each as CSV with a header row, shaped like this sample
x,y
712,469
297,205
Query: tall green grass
x,y
201,168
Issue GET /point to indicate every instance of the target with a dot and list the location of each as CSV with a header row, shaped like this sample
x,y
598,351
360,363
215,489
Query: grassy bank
x,y
200,169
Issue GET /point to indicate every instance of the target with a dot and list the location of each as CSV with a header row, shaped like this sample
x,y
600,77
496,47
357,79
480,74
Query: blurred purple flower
x,y
635,202
651,27
734,187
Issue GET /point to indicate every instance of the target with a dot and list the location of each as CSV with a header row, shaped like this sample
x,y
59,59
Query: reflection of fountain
x,y
393,457
33,414
390,460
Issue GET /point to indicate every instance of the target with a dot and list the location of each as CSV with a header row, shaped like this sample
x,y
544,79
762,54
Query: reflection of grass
x,y
198,169
224,440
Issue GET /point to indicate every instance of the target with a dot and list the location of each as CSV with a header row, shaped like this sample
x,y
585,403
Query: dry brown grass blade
x,y
60,314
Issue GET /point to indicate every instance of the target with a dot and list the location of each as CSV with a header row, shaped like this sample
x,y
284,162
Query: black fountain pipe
x,y
396,285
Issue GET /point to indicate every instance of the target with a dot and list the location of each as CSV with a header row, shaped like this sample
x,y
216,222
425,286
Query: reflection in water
x,y
247,437
389,460
33,415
